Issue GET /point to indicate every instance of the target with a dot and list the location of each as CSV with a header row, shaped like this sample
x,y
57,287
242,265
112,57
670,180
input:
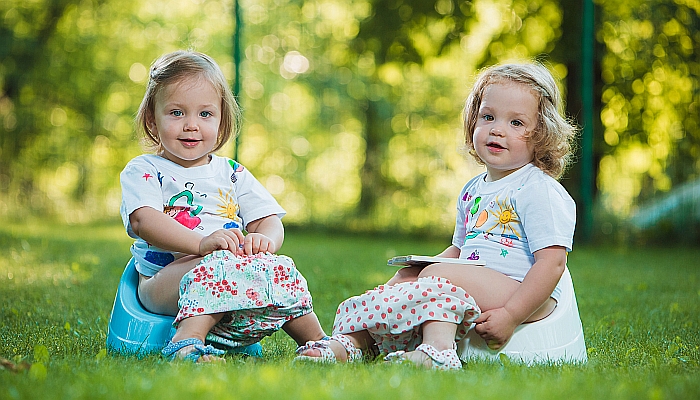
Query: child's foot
x,y
414,357
193,350
428,356
337,348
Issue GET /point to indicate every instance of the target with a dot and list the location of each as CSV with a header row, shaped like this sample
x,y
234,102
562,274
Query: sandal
x,y
171,349
327,355
442,360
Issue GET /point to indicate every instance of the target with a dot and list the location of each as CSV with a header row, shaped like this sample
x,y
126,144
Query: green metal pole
x,y
237,63
587,142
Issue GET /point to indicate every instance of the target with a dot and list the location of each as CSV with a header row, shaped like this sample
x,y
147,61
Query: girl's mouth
x,y
495,146
189,142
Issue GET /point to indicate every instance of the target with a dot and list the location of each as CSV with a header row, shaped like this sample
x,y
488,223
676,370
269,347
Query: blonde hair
x,y
552,139
175,67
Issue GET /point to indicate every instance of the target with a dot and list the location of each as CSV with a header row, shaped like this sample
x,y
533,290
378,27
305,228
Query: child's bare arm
x,y
451,252
539,282
264,235
496,326
162,231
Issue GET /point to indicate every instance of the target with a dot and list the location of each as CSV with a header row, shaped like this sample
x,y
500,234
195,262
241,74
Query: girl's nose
x,y
191,125
496,131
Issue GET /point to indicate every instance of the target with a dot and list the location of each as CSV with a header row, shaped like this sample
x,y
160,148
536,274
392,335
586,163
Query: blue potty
x,y
133,330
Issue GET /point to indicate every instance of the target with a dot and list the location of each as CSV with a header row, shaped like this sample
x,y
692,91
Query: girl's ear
x,y
151,123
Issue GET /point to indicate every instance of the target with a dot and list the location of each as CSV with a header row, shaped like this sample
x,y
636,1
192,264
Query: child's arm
x,y
264,235
410,274
162,231
450,252
497,326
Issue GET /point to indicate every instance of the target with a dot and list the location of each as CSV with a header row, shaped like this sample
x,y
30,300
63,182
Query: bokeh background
x,y
352,107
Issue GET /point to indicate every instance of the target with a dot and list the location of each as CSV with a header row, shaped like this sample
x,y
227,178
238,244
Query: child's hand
x,y
223,239
258,243
495,327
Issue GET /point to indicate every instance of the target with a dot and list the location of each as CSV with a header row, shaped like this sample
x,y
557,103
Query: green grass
x,y
640,309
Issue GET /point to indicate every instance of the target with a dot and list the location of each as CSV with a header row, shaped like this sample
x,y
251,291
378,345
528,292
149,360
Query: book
x,y
422,261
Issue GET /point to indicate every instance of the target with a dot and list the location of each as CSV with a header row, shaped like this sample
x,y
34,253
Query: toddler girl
x,y
515,218
205,228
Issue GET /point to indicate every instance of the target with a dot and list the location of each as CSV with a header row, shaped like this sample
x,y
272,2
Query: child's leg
x,y
361,340
406,274
491,289
160,293
305,328
437,334
196,327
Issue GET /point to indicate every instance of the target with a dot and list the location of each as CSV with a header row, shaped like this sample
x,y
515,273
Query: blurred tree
x,y
413,34
398,34
650,76
71,77
25,37
352,109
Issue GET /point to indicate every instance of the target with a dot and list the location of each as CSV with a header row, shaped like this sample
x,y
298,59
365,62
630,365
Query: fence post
x,y
237,31
587,135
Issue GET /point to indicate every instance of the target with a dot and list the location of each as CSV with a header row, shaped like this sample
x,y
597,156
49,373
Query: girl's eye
x,y
177,113
205,114
517,123
488,117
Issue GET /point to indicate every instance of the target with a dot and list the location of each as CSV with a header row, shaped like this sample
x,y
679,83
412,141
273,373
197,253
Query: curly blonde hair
x,y
175,67
552,139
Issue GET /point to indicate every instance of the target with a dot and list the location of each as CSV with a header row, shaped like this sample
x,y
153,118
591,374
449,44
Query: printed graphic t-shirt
x,y
503,222
221,194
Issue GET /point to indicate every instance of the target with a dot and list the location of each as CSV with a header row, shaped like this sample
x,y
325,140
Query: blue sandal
x,y
171,349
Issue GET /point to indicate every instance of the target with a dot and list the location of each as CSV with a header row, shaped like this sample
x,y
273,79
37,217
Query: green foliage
x,y
650,73
71,78
639,309
352,109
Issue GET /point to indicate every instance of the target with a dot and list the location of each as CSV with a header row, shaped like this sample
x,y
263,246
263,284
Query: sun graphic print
x,y
227,207
506,218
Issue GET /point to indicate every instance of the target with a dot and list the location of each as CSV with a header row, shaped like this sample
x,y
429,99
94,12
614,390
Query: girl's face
x,y
186,118
508,112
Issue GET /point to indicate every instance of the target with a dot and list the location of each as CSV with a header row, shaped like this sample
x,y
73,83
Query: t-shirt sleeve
x,y
254,200
548,216
460,221
140,183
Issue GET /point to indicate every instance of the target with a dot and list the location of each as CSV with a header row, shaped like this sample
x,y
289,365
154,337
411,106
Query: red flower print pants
x,y
258,294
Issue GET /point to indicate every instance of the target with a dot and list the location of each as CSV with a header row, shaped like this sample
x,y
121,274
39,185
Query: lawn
x,y
640,310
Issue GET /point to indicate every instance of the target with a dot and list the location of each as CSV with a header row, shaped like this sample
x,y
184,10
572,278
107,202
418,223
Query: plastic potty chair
x,y
556,338
133,330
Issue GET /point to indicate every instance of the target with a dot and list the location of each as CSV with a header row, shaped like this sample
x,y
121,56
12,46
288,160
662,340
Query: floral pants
x,y
393,314
257,294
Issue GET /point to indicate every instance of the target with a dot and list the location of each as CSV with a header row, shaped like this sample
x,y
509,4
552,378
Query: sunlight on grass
x,y
45,254
639,309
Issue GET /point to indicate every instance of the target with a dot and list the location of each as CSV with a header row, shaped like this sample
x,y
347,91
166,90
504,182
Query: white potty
x,y
557,338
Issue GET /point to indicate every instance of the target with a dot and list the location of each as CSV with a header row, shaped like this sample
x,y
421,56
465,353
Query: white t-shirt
x,y
502,223
221,194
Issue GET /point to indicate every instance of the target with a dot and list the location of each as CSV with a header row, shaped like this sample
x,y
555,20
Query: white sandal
x,y
327,355
442,360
